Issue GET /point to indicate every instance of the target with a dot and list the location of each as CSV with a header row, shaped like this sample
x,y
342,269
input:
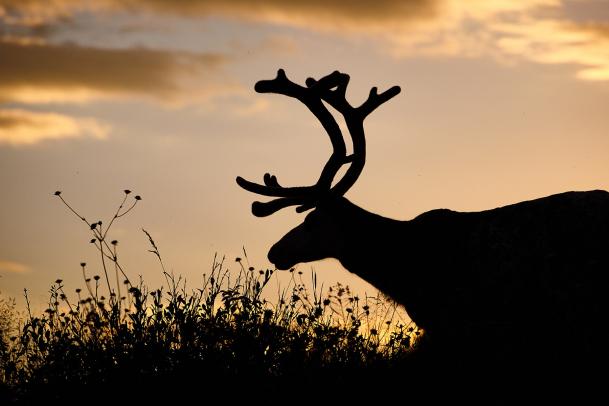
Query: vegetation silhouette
x,y
524,284
117,341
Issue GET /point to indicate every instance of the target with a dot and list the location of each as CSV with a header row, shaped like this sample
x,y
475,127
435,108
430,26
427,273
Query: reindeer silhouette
x,y
527,280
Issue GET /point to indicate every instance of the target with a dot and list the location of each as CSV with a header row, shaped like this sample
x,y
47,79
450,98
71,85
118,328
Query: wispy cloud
x,y
558,42
24,128
13,267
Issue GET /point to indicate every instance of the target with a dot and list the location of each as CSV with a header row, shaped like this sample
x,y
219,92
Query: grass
x,y
117,340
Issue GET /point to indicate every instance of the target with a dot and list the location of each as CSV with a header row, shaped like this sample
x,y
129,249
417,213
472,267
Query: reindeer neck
x,y
370,241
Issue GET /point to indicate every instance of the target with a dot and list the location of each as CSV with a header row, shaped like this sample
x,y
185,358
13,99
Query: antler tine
x,y
272,188
263,209
375,100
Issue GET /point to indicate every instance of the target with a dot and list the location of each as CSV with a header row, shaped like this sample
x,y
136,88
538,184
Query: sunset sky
x,y
502,101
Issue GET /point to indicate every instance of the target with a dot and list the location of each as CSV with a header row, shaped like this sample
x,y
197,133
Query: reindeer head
x,y
316,238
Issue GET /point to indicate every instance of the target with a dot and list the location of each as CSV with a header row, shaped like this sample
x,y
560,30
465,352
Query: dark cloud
x,y
27,69
310,11
345,11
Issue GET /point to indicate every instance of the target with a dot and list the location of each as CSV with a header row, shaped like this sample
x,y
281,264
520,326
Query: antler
x,y
331,89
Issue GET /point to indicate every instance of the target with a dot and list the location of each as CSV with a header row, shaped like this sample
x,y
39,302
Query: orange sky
x,y
501,101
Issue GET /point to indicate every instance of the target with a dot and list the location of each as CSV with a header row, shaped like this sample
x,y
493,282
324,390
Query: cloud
x,y
13,267
299,12
537,31
21,127
542,31
557,42
320,14
274,44
34,73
